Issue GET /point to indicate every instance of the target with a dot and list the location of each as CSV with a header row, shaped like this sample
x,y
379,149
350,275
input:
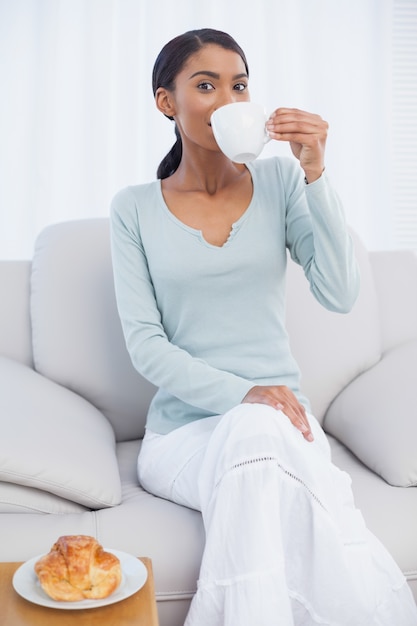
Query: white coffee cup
x,y
239,129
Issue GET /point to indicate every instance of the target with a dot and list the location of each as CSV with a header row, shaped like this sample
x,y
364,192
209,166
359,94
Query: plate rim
x,y
26,569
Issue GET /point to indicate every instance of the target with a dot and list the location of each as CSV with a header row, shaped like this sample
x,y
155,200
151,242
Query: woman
x,y
199,261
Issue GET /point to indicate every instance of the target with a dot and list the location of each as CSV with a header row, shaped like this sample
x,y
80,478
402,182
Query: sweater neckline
x,y
235,227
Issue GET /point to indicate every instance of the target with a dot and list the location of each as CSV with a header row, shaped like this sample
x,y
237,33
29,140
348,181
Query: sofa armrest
x,y
374,416
395,273
15,328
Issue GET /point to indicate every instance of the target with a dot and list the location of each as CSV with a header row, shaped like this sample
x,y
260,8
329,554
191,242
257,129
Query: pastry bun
x,y
77,568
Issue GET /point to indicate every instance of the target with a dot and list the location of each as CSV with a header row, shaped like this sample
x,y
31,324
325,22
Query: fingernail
x,y
310,437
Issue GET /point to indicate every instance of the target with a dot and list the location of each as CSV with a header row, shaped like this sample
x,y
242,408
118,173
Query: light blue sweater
x,y
206,323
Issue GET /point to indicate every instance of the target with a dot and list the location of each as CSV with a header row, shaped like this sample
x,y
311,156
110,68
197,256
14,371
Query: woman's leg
x,y
169,465
284,542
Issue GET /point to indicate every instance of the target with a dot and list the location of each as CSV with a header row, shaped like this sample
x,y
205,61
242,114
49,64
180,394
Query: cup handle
x,y
267,137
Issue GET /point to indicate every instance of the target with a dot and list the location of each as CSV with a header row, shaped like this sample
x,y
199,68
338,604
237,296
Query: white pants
x,y
285,545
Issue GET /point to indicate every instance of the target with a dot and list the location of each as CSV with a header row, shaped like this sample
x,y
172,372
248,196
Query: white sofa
x,y
73,409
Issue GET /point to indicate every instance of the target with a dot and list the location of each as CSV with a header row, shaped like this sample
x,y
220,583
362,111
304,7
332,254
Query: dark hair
x,y
170,62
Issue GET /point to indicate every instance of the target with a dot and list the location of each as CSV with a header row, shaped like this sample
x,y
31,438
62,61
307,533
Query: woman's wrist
x,y
312,175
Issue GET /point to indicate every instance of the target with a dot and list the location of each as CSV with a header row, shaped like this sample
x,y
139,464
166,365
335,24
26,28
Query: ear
x,y
164,101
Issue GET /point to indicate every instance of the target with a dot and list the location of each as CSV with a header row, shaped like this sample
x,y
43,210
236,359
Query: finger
x,y
302,127
307,432
289,111
263,395
298,418
304,139
295,114
306,429
303,135
305,125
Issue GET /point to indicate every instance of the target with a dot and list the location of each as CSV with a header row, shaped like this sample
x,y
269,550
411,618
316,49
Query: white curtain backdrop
x,y
77,117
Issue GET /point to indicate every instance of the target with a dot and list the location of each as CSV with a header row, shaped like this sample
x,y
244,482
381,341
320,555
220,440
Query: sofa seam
x,y
166,596
51,483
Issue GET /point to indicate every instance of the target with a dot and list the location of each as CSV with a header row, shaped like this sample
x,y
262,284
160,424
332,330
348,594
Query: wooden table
x,y
137,610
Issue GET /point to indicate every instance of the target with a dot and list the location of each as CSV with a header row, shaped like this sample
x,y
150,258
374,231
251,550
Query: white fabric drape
x,y
294,549
78,122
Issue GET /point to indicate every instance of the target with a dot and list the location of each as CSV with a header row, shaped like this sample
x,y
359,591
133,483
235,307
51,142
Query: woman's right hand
x,y
282,399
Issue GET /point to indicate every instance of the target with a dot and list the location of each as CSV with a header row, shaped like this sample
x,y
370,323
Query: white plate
x,y
134,575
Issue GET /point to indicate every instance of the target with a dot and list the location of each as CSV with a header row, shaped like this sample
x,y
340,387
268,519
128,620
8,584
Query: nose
x,y
226,95
232,97
226,99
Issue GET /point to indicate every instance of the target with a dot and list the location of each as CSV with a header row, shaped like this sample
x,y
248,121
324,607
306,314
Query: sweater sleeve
x,y
318,239
164,364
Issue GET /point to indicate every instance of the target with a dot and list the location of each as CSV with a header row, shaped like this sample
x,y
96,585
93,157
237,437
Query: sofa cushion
x,y
77,335
54,440
372,416
15,331
390,512
395,273
332,348
21,499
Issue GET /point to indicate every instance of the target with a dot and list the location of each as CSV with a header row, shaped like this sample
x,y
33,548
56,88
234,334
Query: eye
x,y
240,86
205,86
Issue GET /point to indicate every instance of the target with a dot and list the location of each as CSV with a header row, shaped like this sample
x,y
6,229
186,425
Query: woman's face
x,y
211,78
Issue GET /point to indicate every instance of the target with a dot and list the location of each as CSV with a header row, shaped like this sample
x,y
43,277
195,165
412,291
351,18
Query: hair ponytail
x,y
171,161
170,62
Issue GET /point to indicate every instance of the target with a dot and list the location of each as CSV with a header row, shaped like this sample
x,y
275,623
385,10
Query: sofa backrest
x,y
15,333
78,341
332,348
395,274
77,336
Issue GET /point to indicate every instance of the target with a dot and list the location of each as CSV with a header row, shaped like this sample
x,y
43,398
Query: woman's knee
x,y
258,430
250,431
246,420
251,420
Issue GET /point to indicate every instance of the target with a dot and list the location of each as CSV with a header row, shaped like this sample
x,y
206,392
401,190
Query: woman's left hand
x,y
307,134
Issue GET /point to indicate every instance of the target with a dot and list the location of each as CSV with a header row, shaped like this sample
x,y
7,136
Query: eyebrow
x,y
217,76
